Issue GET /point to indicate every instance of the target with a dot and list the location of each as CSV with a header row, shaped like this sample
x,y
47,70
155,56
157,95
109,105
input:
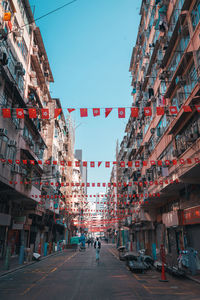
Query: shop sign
x,y
19,220
5,219
191,215
171,219
18,226
26,227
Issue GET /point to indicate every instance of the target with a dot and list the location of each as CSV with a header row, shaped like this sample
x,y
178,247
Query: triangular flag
x,y
134,112
6,112
96,112
107,111
83,112
20,113
121,112
71,110
99,163
57,112
187,108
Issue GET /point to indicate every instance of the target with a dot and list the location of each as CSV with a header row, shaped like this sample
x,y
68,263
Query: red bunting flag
x,y
107,164
20,113
187,108
92,164
96,112
173,110
71,110
99,163
83,112
57,112
198,108
84,163
160,111
6,112
122,164
32,113
107,111
134,112
147,111
121,112
77,163
45,113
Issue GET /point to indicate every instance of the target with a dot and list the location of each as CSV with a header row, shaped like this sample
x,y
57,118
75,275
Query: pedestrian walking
x,y
92,241
97,246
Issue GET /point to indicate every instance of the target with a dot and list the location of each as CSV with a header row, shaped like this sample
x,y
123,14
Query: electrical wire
x,y
47,14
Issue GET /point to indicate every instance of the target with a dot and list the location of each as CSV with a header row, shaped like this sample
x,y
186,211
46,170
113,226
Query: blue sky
x,y
89,45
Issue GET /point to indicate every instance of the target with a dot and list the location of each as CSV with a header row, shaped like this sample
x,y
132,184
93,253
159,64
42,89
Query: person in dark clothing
x,y
97,246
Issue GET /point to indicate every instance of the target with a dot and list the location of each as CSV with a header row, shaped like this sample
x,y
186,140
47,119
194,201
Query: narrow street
x,y
75,275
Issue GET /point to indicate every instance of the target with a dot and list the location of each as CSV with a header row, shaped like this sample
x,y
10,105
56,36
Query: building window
x,y
3,146
195,15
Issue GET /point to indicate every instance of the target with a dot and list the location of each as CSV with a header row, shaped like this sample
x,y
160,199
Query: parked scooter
x,y
140,262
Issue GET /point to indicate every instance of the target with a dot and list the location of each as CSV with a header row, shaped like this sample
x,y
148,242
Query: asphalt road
x,y
76,275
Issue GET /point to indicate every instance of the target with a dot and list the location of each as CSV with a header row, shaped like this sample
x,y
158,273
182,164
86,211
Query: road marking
x,y
136,276
51,271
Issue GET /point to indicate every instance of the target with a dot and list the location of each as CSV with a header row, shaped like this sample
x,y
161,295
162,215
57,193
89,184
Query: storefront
x,y
191,221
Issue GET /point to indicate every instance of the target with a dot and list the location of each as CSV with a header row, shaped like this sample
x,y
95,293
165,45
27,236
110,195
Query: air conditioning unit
x,y
3,34
18,66
181,97
35,49
159,171
12,143
33,74
158,131
147,55
191,138
152,130
19,70
15,169
3,58
46,73
180,80
24,172
175,153
3,132
45,98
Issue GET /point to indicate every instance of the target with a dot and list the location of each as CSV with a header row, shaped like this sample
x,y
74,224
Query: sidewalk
x,y
14,263
195,278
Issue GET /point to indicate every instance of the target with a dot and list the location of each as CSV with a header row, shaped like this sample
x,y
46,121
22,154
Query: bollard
x,y
45,249
58,246
39,248
21,255
7,259
54,246
162,253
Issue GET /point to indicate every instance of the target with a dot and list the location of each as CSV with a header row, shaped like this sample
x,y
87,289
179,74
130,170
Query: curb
x,y
29,264
193,279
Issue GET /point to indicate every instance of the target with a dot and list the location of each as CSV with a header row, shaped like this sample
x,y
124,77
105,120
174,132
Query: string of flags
x,y
108,164
95,196
98,184
44,113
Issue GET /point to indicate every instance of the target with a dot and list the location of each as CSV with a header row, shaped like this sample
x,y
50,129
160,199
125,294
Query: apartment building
x,y
165,72
31,212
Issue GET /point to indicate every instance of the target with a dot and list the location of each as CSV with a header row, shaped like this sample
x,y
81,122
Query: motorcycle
x,y
140,262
